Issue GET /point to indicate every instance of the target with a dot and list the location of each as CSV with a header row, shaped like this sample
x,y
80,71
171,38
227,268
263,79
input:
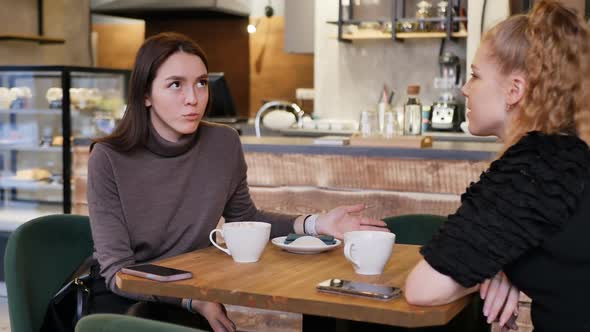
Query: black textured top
x,y
529,215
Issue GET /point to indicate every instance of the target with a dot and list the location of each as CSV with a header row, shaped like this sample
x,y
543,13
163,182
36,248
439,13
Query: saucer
x,y
303,245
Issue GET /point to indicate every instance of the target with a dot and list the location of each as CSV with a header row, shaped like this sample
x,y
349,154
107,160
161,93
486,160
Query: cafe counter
x,y
294,175
297,176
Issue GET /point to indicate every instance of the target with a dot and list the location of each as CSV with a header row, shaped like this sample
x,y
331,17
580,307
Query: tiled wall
x,y
349,77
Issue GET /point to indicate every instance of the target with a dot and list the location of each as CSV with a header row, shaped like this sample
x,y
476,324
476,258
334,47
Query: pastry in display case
x,y
33,174
5,98
35,159
15,98
21,97
54,96
85,99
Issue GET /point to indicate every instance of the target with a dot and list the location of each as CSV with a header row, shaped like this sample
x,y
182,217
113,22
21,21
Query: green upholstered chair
x,y
41,254
414,228
116,323
418,229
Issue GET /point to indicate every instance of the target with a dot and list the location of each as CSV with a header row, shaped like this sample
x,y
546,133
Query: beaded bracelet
x,y
309,227
305,222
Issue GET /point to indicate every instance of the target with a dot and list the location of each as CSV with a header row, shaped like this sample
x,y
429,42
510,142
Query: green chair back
x,y
41,254
415,229
418,229
116,323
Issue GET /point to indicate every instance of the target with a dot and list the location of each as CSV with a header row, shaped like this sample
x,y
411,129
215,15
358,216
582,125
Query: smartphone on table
x,y
156,272
347,287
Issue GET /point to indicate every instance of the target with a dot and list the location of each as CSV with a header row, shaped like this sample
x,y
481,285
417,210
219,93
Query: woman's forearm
x,y
427,287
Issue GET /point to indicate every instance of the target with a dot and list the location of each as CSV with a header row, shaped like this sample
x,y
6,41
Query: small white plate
x,y
300,246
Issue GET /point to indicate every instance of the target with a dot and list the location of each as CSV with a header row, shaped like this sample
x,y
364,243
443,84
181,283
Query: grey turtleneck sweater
x,y
162,200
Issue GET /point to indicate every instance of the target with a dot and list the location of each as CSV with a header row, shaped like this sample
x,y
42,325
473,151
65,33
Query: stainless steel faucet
x,y
287,106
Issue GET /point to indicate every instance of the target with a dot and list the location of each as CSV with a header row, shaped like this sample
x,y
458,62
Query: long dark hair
x,y
133,129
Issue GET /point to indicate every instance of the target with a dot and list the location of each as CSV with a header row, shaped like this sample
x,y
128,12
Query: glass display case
x,y
39,107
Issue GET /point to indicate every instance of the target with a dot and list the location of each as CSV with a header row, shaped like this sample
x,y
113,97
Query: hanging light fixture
x,y
252,27
268,12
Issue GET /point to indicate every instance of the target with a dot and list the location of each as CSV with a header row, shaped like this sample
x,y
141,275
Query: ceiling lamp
x,y
268,12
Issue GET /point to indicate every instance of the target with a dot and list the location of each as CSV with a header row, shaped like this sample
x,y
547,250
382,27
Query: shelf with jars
x,y
361,29
445,20
39,106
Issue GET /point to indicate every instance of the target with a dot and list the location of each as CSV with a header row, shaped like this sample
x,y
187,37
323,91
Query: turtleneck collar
x,y
160,146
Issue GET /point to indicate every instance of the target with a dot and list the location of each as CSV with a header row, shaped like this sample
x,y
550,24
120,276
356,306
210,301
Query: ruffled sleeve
x,y
520,201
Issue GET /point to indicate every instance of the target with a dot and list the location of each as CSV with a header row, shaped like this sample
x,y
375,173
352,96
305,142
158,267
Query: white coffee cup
x,y
368,251
245,240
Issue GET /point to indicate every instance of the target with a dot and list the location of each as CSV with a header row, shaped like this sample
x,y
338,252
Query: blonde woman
x,y
529,213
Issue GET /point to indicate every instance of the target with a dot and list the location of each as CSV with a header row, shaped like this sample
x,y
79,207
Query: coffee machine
x,y
447,112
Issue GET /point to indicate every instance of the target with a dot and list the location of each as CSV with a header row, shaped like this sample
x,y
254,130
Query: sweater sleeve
x,y
112,243
520,201
240,206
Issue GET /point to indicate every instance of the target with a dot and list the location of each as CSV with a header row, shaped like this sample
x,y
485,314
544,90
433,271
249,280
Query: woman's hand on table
x,y
215,314
341,220
501,301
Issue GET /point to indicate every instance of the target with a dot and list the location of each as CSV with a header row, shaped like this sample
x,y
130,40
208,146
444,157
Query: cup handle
x,y
348,254
225,250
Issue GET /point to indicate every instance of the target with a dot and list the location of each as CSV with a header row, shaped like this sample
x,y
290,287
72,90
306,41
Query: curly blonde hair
x,y
551,47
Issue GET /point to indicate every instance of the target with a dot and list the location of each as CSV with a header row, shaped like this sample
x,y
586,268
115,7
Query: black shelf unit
x,y
398,14
11,73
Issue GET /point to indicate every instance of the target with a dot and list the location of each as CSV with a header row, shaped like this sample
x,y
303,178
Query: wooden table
x,y
286,282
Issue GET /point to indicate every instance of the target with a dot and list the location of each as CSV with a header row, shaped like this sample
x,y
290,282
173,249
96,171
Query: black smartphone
x,y
157,272
347,287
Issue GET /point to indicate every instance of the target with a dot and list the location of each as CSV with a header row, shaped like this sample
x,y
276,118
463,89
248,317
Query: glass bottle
x,y
441,14
413,112
422,14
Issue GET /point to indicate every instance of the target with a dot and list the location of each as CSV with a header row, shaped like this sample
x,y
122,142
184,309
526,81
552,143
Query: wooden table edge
x,y
138,285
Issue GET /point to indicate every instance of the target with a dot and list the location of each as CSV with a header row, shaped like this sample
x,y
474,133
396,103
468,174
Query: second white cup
x,y
245,240
368,251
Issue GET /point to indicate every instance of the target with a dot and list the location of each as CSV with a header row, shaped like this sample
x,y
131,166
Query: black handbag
x,y
74,300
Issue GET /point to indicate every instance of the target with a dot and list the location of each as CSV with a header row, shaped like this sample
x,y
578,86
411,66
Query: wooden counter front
x,y
313,183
